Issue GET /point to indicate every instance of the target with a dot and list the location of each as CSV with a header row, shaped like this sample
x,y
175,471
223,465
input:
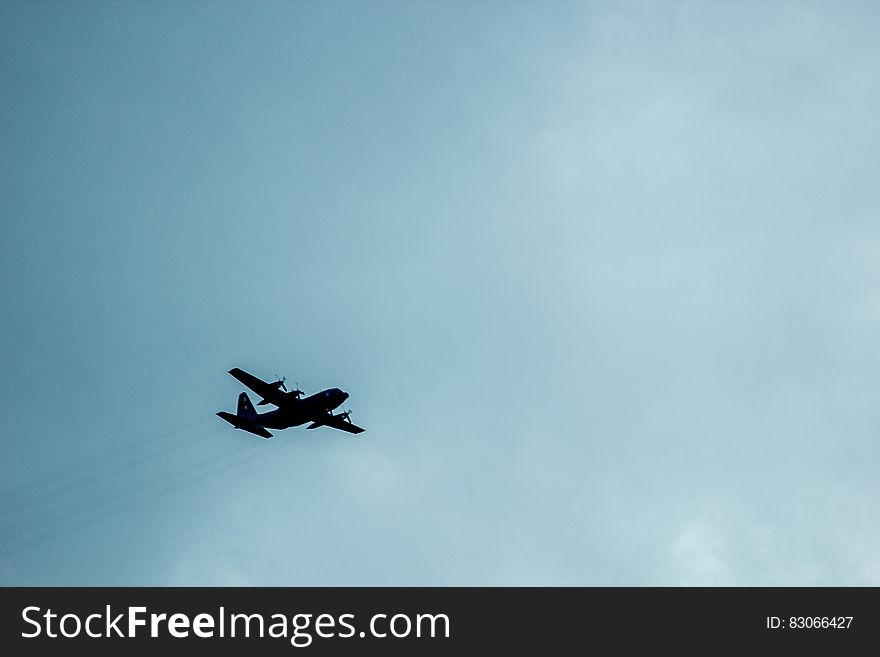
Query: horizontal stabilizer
x,y
244,425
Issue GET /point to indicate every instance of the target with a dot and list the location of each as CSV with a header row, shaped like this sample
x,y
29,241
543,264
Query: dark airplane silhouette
x,y
291,412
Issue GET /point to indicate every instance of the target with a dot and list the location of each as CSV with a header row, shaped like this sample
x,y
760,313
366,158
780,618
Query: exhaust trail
x,y
185,475
104,484
85,473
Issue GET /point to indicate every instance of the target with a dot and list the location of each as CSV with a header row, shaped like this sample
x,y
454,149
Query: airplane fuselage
x,y
295,411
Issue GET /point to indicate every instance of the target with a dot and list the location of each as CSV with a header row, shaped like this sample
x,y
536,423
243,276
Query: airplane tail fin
x,y
245,408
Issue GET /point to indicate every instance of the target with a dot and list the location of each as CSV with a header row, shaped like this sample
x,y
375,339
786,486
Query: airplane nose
x,y
344,395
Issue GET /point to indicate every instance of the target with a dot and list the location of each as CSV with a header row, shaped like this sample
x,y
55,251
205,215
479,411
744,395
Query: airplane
x,y
291,412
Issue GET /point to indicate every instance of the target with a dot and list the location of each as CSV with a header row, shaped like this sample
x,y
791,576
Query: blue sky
x,y
601,280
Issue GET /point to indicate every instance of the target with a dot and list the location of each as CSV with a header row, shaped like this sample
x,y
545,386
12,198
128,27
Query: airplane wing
x,y
335,422
266,390
244,425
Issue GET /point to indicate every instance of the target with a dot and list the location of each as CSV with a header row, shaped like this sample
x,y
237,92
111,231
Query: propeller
x,y
298,393
345,416
280,382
